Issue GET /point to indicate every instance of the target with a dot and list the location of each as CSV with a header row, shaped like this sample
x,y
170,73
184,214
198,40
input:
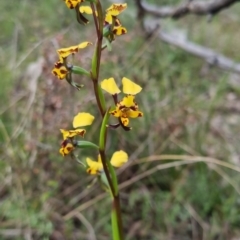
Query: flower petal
x,y
110,86
84,44
108,19
116,113
72,3
119,158
134,114
119,30
94,167
129,87
116,9
66,148
85,9
65,52
125,121
72,133
60,71
128,101
82,119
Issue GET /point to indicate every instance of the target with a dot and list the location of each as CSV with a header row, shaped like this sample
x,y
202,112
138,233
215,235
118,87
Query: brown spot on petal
x,y
69,148
126,128
55,73
123,31
114,112
64,143
58,64
119,7
63,71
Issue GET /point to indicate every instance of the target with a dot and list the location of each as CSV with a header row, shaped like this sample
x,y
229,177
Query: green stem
x,y
99,98
117,227
102,139
98,20
79,70
114,224
108,168
105,168
112,181
95,18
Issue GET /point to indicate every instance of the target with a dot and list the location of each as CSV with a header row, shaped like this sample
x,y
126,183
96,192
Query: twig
x,y
211,57
193,7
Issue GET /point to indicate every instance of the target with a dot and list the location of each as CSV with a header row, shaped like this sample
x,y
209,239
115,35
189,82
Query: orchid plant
x,y
108,27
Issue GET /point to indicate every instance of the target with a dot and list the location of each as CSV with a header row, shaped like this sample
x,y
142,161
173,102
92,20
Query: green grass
x,y
187,111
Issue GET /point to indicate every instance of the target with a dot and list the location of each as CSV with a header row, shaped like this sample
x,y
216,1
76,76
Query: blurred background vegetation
x,y
190,110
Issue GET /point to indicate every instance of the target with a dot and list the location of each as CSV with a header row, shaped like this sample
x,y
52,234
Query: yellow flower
x,y
118,159
72,133
94,167
72,3
127,108
86,9
65,52
119,30
60,69
66,147
75,4
110,86
113,11
80,120
111,17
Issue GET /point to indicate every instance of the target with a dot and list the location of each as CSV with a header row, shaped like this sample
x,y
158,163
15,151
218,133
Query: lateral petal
x,y
129,87
82,119
119,158
110,86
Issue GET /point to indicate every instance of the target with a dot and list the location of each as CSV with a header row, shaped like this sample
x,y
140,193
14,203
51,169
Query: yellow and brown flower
x,y
61,68
111,18
127,107
95,167
80,120
73,3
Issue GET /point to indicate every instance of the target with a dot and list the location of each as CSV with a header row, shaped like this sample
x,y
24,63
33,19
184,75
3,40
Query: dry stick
x,y
193,7
210,56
